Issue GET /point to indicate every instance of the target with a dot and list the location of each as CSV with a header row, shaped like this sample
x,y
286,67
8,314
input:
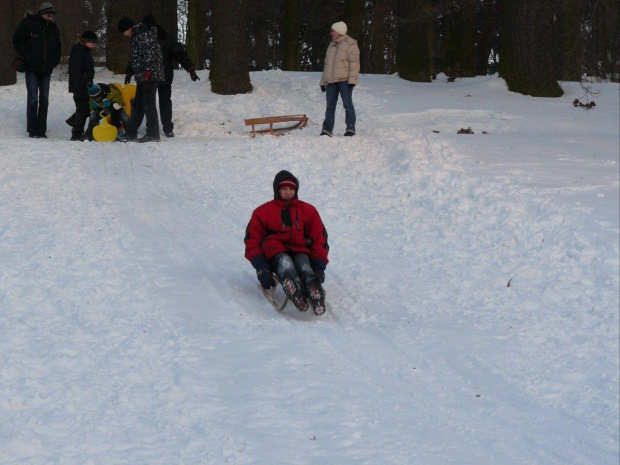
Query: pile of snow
x,y
473,287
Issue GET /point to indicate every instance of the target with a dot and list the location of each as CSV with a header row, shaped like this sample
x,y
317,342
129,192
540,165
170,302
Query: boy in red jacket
x,y
286,236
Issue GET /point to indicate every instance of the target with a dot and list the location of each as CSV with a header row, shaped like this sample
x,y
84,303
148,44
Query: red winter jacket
x,y
279,226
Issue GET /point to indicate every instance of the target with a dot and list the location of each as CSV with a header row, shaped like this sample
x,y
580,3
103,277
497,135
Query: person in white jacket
x,y
342,66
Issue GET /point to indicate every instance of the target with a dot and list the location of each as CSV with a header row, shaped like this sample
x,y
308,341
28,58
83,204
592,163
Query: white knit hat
x,y
340,27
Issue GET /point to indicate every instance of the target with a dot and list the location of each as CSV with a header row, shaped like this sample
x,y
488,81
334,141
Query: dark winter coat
x,y
81,69
279,226
37,41
145,54
171,50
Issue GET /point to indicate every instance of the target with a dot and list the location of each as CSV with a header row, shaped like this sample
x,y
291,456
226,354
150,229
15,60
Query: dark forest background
x,y
532,44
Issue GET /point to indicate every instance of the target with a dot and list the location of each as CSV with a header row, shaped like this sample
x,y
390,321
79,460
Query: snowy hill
x,y
473,284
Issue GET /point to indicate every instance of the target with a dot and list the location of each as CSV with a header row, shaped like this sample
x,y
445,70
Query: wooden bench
x,y
299,120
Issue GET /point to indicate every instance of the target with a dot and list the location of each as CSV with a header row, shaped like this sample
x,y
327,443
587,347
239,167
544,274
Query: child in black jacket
x,y
81,75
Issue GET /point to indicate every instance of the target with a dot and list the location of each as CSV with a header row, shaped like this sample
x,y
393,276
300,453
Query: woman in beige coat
x,y
342,65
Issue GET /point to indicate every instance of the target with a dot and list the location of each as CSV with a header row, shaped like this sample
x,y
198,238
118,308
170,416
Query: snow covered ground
x,y
473,287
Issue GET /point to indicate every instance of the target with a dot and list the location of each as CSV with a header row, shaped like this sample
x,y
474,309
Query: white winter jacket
x,y
342,61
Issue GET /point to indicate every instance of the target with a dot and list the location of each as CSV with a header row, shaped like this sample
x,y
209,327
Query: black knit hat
x,y
47,7
89,36
124,24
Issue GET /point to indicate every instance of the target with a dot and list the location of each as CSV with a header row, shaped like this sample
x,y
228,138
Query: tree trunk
x,y
291,57
603,44
117,46
261,26
526,48
165,12
378,52
317,16
412,58
486,22
198,42
569,57
460,38
354,19
7,74
230,69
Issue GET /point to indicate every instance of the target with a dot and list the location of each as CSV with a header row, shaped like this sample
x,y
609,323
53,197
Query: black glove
x,y
128,78
263,272
351,86
318,266
19,65
193,75
323,88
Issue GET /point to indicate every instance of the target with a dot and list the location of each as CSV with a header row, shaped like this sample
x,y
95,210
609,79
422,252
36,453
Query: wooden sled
x,y
278,298
299,122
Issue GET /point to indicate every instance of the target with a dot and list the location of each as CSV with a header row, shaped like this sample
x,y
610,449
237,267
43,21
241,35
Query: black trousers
x,y
82,111
164,92
144,105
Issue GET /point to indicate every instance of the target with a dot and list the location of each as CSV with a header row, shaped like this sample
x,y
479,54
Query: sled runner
x,y
278,298
299,122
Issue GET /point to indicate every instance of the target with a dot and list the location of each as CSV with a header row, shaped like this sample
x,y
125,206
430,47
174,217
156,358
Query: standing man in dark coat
x,y
81,74
171,51
37,41
145,58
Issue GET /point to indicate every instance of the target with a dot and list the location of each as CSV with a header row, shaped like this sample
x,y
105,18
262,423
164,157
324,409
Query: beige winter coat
x,y
342,61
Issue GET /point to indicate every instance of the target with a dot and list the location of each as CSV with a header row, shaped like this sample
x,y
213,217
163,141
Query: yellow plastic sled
x,y
128,91
105,132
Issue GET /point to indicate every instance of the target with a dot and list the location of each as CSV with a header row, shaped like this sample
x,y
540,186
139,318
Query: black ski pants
x,y
82,110
144,104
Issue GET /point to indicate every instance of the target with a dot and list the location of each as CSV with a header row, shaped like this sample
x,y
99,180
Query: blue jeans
x,y
38,87
295,266
331,95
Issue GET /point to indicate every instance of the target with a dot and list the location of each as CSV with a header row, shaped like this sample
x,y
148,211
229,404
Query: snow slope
x,y
473,284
